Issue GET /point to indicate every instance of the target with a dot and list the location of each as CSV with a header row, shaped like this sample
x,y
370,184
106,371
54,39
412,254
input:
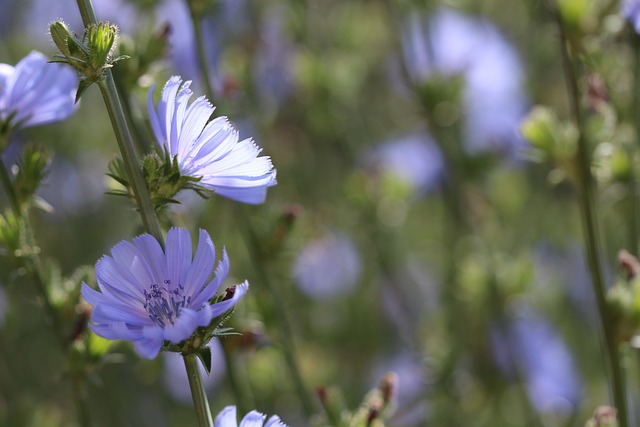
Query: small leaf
x,y
204,354
82,87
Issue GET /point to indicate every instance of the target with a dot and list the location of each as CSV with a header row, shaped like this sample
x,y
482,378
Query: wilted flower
x,y
35,92
227,418
209,149
328,267
150,296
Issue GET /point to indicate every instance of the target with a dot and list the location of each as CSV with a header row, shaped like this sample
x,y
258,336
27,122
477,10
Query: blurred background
x,y
413,228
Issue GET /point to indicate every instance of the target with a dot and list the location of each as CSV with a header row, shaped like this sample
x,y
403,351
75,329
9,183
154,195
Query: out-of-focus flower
x,y
630,9
35,92
413,159
150,296
210,150
273,68
74,188
227,418
41,13
328,267
545,362
450,44
175,375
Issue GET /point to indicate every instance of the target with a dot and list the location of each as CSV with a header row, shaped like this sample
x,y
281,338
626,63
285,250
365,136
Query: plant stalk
x,y
200,402
125,141
590,228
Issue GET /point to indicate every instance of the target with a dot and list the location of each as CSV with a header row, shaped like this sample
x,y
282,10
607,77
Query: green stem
x,y
125,141
34,266
253,245
205,76
590,226
200,402
635,119
8,187
132,165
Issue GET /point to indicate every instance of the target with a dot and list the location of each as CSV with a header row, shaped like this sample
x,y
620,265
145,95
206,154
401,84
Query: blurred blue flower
x,y
450,44
36,92
176,381
414,159
273,65
228,19
4,306
328,267
630,9
545,362
149,296
227,418
209,149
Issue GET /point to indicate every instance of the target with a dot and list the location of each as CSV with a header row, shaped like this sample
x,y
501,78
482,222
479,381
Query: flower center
x,y
163,304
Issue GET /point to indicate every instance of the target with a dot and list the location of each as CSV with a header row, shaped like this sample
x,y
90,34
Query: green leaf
x,y
204,354
82,87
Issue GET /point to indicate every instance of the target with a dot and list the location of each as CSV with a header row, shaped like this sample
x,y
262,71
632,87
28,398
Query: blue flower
x,y
36,92
630,9
227,418
328,267
209,149
149,296
451,44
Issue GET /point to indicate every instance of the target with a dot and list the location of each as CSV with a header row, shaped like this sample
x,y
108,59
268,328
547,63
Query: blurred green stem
x,y
34,267
286,334
8,186
205,76
198,393
635,119
590,225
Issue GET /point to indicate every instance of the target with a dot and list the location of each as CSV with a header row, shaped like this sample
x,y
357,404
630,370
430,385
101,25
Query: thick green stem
x,y
590,226
200,402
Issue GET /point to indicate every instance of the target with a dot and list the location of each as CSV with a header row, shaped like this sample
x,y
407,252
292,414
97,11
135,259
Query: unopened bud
x,y
604,416
388,387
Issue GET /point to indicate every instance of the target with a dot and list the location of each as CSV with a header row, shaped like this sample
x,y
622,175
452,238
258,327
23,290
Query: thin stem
x,y
200,402
635,119
35,268
196,19
126,145
253,245
590,226
125,141
8,188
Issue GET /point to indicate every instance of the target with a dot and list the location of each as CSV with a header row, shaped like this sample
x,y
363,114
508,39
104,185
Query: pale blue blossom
x,y
227,418
207,149
328,267
35,92
414,159
149,295
630,9
544,360
451,44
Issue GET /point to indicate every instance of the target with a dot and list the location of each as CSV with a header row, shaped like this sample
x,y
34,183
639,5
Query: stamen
x,y
164,304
